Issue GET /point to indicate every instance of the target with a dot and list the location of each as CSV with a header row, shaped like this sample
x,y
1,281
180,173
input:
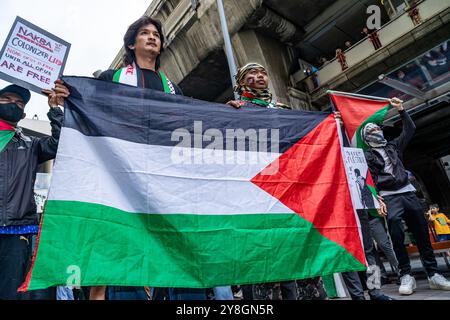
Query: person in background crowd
x,y
311,71
373,37
441,223
364,33
322,61
347,44
340,57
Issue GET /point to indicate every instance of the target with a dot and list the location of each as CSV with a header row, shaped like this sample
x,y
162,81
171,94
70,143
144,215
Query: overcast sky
x,y
94,28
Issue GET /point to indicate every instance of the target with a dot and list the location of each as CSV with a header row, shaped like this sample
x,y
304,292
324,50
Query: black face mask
x,y
11,112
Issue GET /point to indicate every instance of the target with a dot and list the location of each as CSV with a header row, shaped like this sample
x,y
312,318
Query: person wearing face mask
x,y
20,156
384,159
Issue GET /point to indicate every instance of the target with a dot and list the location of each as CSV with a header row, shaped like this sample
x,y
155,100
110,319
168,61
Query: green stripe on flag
x,y
112,247
378,118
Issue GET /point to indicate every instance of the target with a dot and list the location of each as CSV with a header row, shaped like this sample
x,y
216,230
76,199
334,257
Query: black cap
x,y
22,92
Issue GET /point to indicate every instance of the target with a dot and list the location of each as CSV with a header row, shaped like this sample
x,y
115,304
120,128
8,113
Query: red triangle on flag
x,y
310,179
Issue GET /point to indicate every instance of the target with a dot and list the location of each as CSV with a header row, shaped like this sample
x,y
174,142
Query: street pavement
x,y
423,291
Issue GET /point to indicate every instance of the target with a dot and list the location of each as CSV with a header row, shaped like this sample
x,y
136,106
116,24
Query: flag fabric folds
x,y
167,191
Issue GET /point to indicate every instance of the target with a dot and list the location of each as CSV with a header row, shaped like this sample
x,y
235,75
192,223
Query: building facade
x,y
405,55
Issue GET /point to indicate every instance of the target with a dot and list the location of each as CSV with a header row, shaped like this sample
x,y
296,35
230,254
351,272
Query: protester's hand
x,y
338,117
57,95
234,103
397,103
52,98
382,211
60,89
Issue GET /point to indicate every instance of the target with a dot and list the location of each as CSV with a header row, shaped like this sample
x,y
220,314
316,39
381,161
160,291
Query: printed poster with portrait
x,y
32,57
357,171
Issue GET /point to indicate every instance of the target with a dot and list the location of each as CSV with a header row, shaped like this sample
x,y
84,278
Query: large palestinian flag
x,y
357,111
153,189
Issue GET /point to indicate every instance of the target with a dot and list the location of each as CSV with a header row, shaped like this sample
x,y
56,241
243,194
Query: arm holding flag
x,y
409,127
47,146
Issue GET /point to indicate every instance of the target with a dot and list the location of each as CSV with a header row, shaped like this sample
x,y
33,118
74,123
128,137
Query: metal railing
x,y
364,49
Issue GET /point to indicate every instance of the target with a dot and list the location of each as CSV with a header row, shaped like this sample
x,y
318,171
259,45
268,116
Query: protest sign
x,y
32,57
359,180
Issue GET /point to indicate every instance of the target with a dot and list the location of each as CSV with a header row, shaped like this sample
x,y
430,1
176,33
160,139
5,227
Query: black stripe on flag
x,y
101,108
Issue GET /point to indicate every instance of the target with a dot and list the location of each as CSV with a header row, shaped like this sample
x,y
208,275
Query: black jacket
x,y
394,150
19,162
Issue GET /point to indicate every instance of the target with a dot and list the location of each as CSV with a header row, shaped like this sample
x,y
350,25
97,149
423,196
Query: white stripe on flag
x,y
143,178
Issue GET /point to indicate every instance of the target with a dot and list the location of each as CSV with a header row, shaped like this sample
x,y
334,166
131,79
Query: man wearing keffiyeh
x,y
252,85
373,135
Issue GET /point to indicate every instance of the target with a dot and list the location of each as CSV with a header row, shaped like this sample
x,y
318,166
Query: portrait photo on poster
x,y
360,184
